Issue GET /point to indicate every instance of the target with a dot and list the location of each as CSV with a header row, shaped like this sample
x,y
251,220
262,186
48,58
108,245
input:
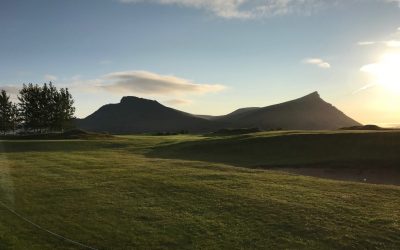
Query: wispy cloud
x,y
365,87
388,43
391,41
366,43
246,9
178,102
49,77
222,8
317,62
144,83
11,89
76,77
393,1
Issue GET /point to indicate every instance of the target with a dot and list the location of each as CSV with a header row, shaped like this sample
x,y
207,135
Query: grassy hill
x,y
292,148
348,155
163,192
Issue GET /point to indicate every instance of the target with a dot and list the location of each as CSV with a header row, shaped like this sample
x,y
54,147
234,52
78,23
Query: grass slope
x,y
292,148
111,194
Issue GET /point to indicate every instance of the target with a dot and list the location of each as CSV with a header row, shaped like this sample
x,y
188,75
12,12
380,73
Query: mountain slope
x,y
234,113
138,115
309,112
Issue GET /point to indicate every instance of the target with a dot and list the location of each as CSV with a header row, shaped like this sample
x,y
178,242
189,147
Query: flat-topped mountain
x,y
138,115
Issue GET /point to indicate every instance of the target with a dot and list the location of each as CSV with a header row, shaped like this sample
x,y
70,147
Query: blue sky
x,y
207,57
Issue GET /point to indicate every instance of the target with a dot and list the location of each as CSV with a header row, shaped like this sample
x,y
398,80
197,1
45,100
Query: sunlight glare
x,y
386,72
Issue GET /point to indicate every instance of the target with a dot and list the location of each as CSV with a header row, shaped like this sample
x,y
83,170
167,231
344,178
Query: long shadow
x,y
361,157
16,146
291,150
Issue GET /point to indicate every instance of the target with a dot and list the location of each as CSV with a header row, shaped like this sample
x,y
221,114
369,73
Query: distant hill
x,y
234,113
138,115
366,127
309,112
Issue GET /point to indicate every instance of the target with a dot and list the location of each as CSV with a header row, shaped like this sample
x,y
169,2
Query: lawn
x,y
192,192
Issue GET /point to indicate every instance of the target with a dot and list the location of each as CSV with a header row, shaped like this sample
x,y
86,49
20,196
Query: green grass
x,y
164,192
292,148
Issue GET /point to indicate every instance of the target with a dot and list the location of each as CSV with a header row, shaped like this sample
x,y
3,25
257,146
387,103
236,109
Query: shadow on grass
x,y
360,152
289,149
58,146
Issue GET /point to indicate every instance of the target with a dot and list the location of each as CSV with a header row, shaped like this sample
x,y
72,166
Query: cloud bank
x,y
144,82
245,9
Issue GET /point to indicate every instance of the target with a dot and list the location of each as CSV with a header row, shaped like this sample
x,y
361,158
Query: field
x,y
199,192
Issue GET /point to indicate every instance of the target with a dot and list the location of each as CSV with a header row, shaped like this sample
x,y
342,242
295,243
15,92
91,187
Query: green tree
x,y
15,118
5,112
30,109
64,109
44,108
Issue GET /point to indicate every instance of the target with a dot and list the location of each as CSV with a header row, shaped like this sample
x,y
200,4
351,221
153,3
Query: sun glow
x,y
386,72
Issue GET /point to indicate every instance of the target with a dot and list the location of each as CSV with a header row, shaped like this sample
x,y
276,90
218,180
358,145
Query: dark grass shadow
x,y
18,146
291,150
360,157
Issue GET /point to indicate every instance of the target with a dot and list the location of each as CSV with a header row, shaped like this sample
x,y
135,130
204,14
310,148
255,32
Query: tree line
x,y
38,109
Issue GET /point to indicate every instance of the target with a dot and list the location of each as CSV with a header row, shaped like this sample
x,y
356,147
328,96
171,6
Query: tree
x,y
15,119
5,112
29,97
45,103
45,108
64,109
60,107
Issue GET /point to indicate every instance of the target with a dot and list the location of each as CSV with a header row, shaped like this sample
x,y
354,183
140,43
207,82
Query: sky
x,y
208,56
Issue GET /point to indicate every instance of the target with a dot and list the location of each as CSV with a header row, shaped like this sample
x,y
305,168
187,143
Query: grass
x,y
292,148
160,192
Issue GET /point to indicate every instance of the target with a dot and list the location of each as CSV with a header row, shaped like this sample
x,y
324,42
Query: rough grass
x,y
117,194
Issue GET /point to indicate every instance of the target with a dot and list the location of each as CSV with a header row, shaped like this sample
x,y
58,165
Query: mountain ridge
x,y
140,115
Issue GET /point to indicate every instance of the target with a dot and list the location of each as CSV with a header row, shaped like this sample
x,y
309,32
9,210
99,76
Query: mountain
x,y
236,114
309,112
138,115
238,111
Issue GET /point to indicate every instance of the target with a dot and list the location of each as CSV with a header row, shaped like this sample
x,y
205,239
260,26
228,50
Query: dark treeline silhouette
x,y
39,109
